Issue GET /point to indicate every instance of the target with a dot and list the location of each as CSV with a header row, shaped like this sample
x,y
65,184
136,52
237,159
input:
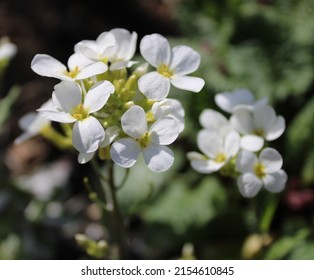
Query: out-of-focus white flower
x,y
230,101
215,121
87,133
150,141
172,67
79,67
170,108
257,125
116,46
32,123
262,171
217,150
43,181
7,49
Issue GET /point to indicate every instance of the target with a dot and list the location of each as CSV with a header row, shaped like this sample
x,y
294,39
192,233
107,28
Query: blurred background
x,y
266,46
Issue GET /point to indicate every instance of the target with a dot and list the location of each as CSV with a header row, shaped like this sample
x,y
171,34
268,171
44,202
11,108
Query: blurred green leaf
x,y
7,102
182,206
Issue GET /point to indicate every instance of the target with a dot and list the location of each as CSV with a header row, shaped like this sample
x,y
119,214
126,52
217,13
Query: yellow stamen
x,y
164,70
145,140
259,170
79,112
221,157
73,73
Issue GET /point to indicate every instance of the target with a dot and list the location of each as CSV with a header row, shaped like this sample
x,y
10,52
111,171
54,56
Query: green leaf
x,y
182,206
7,102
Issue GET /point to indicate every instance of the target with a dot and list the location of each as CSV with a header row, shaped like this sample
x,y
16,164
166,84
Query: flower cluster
x,y
236,146
107,109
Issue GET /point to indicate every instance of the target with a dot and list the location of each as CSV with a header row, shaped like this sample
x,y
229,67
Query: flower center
x,y
259,170
221,157
164,70
259,132
79,112
145,140
73,73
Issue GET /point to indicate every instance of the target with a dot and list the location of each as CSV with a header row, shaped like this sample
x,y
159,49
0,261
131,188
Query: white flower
x,y
262,171
217,150
170,108
79,67
117,46
257,125
215,121
32,123
125,151
172,66
111,134
230,101
87,133
7,49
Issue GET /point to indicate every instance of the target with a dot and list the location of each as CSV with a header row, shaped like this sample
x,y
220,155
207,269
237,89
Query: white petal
x,y
249,185
206,166
189,83
121,64
154,86
98,95
164,131
213,120
78,60
155,49
47,66
263,116
106,42
7,49
276,129
126,43
242,120
210,143
87,135
227,101
184,60
275,182
252,142
158,158
91,70
232,143
67,95
195,156
245,161
87,48
112,133
271,160
61,117
125,152
134,122
84,158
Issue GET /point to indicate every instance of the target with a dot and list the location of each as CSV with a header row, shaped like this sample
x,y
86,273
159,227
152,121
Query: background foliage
x,y
265,46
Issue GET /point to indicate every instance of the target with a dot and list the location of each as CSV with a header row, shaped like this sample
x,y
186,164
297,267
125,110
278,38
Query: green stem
x,y
116,215
112,206
269,213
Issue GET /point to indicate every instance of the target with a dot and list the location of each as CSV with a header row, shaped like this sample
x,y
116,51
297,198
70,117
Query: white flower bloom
x,y
217,150
79,67
87,133
7,49
158,158
117,46
257,125
172,66
170,108
32,123
230,101
262,171
215,121
111,134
